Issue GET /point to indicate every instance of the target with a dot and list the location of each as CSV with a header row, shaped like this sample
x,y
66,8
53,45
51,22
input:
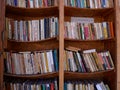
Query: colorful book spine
x,y
84,29
89,3
32,62
39,84
33,30
87,61
32,3
85,85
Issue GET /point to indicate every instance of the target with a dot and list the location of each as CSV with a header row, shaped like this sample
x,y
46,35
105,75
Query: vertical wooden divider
x,y
2,27
61,44
117,2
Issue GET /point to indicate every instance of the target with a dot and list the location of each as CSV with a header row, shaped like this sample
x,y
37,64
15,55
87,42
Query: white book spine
x,y
72,30
30,30
89,51
91,4
44,64
26,63
73,65
97,30
100,31
17,63
96,3
8,2
49,61
42,29
15,30
52,62
36,3
31,4
33,29
41,63
98,86
10,30
21,30
53,21
22,3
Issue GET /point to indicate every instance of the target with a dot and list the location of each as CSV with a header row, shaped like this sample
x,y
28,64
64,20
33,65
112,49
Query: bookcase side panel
x,y
117,2
2,16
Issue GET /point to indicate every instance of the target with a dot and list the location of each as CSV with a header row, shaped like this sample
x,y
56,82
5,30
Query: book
x,y
55,59
77,62
85,85
50,62
66,63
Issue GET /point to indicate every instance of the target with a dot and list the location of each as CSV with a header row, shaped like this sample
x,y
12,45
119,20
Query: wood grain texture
x,y
36,76
2,18
47,44
118,41
92,75
86,12
19,13
61,11
61,44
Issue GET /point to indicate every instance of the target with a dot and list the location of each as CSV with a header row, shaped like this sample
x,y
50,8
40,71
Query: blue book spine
x,y
45,28
65,86
82,3
78,3
55,58
43,86
15,2
56,27
103,3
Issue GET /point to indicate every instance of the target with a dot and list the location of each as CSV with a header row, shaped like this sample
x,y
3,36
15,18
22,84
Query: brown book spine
x,y
111,29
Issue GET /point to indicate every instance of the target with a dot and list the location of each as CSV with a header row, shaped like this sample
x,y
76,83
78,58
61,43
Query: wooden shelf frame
x,y
36,76
19,13
87,12
61,12
91,75
47,44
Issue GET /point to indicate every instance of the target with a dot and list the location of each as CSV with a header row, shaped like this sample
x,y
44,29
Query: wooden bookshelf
x,y
64,13
36,76
2,23
117,3
25,13
87,12
99,15
91,75
19,13
88,44
38,45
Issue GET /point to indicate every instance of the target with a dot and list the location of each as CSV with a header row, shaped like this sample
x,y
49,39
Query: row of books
x,y
86,85
89,31
31,62
32,3
89,3
32,30
87,61
32,84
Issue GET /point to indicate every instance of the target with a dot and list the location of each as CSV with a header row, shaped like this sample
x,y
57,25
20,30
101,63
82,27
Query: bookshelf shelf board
x,y
78,75
88,44
87,12
78,40
31,13
47,75
50,43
